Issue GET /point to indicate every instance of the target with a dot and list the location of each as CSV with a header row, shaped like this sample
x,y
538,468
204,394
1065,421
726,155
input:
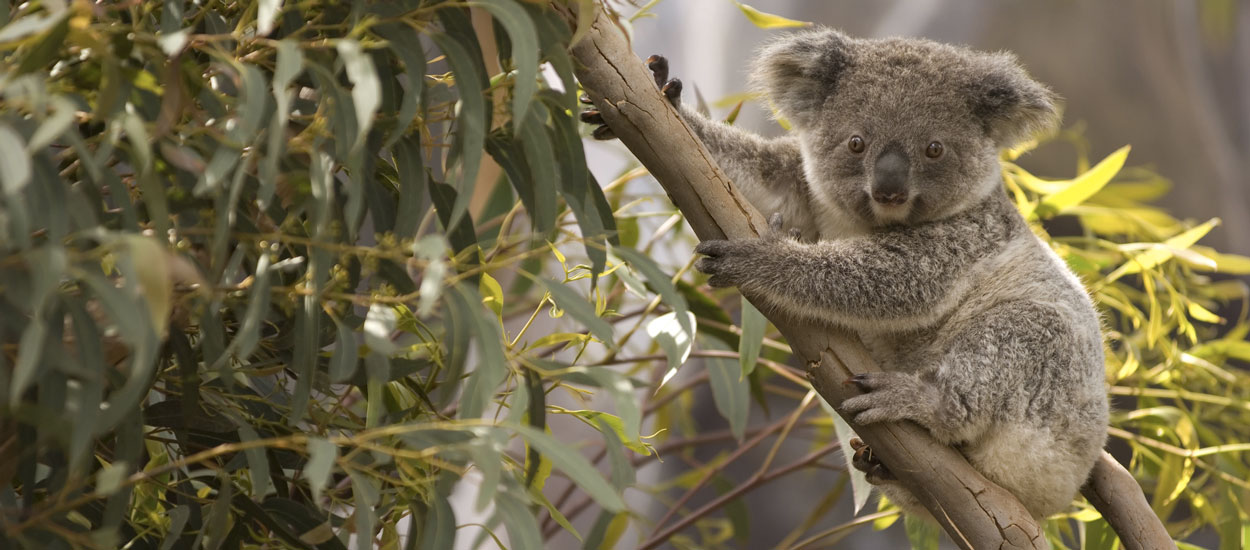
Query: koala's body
x,y
905,234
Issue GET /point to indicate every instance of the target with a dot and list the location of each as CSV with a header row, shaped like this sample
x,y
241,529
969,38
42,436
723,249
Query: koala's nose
x,y
889,180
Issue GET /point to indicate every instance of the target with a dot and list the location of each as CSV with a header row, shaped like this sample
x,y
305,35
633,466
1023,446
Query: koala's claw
x,y
603,133
671,87
659,69
672,91
865,461
725,262
592,116
658,65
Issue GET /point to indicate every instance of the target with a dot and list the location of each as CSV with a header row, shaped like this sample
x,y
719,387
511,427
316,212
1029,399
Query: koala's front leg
x,y
747,263
892,396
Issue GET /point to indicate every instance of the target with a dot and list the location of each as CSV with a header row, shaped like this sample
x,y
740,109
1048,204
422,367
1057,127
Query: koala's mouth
x,y
892,211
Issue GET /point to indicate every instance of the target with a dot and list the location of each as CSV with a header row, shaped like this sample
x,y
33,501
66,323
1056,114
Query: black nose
x,y
889,179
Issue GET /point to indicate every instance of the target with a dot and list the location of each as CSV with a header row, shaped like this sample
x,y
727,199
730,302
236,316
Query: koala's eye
x,y
934,150
856,144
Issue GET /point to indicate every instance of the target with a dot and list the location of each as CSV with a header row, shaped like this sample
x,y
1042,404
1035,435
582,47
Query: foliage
x,y
292,274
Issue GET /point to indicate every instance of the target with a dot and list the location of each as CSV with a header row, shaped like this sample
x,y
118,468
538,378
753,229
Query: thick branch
x,y
975,512
1114,492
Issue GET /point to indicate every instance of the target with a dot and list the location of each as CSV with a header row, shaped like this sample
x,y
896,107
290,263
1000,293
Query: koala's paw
x,y
659,71
865,461
889,397
729,263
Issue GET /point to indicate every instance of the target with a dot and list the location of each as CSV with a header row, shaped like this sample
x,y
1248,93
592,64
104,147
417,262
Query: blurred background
x,y
1170,78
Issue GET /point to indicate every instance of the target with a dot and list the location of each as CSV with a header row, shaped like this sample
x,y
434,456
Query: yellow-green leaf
x,y
492,294
1084,186
768,20
1162,253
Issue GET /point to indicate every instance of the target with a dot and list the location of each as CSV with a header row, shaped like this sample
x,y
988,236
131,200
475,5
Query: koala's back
x,y
1044,340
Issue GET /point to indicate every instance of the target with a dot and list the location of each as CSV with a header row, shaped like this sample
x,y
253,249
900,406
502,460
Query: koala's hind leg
x,y
865,461
877,474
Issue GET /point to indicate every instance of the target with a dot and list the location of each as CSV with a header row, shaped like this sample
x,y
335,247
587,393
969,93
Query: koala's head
x,y
900,130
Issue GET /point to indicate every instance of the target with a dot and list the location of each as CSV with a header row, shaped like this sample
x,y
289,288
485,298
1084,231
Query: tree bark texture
x,y
974,512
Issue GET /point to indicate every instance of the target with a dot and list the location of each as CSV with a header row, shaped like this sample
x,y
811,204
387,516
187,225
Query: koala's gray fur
x,y
986,338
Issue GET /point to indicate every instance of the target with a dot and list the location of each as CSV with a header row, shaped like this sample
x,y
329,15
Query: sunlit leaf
x,y
674,339
767,20
1084,186
1156,255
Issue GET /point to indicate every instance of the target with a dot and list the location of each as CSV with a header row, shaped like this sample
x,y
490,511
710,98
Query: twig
x,y
757,480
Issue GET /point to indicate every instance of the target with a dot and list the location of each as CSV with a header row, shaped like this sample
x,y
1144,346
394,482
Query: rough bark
x,y
1114,492
974,512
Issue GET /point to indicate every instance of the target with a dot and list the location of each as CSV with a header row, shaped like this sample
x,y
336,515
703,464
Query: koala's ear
x,y
1012,106
798,71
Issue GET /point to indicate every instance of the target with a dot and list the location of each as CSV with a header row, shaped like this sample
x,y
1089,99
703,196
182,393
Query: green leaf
x,y
923,535
860,488
366,496
661,283
28,25
412,186
622,470
379,326
540,155
1163,252
753,325
580,309
575,466
667,330
516,517
344,357
62,117
767,20
289,65
439,530
366,90
406,44
178,516
321,458
492,366
524,50
15,171
267,15
730,391
257,462
257,307
1084,186
110,478
471,123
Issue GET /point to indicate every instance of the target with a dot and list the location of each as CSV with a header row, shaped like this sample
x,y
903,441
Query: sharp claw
x,y
585,99
659,69
796,234
592,117
857,443
672,91
860,381
603,133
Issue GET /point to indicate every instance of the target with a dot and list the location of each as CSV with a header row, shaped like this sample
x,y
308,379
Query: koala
x,y
889,217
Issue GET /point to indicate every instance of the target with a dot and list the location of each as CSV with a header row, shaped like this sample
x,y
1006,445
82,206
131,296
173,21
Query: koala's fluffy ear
x,y
799,70
1012,106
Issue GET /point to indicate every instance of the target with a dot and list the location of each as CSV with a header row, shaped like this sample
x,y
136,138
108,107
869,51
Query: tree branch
x,y
973,511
